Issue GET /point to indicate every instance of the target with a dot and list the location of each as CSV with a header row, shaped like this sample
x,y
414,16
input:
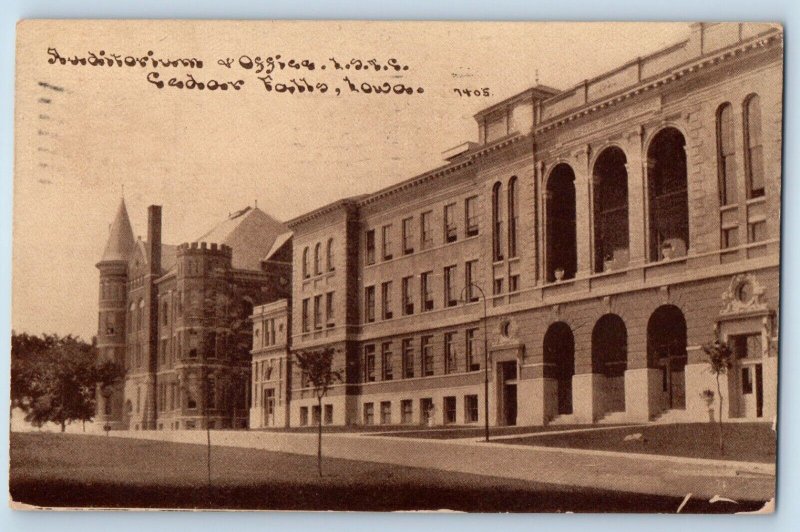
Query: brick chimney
x,y
154,238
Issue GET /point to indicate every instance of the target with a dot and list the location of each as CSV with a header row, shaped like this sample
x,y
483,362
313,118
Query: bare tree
x,y
720,360
316,365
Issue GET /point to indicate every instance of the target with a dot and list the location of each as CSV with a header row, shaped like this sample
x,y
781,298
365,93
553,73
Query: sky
x,y
204,154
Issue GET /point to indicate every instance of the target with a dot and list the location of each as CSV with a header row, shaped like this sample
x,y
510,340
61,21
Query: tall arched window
x,y
512,217
306,273
317,259
610,194
329,256
497,222
560,225
753,161
667,194
726,155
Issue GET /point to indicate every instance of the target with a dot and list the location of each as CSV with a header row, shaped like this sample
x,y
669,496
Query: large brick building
x,y
610,229
177,318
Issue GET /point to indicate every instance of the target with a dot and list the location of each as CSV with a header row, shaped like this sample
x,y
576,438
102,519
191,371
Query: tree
x,y
316,365
720,360
54,379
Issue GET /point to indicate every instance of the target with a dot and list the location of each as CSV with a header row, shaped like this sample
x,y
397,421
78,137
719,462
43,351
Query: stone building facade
x,y
608,230
177,318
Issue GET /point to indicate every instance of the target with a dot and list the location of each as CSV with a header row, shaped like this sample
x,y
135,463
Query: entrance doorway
x,y
666,350
269,407
559,360
508,399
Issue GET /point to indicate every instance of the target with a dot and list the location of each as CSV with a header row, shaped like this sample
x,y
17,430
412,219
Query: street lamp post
x,y
485,354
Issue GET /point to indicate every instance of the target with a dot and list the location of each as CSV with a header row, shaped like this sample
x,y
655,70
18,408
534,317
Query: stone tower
x,y
113,268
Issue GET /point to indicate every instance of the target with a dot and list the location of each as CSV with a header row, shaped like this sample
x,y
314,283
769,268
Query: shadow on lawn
x,y
295,496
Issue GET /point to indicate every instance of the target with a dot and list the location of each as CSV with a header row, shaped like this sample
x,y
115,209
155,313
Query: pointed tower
x,y
113,268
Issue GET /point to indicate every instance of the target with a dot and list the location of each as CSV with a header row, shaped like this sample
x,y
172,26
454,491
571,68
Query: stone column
x,y
587,397
636,198
583,212
642,393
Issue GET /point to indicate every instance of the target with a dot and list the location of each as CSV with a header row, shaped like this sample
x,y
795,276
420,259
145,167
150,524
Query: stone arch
x,y
559,361
610,359
560,224
666,350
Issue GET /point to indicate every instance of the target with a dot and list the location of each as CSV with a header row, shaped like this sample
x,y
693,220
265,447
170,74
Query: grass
x,y
474,432
69,470
748,442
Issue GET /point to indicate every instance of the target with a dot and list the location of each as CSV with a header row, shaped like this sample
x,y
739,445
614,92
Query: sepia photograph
x,y
528,267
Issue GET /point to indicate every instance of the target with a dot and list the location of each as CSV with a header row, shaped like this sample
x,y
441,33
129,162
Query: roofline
x,y
350,201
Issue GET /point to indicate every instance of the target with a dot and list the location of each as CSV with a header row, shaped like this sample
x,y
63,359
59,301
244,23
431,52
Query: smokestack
x,y
154,238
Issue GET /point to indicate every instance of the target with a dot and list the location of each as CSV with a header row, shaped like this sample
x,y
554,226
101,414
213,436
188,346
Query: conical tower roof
x,y
120,237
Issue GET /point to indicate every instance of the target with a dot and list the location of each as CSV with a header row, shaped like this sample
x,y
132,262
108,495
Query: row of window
x,y
317,302
329,263
426,410
451,361
409,239
408,291
315,413
270,337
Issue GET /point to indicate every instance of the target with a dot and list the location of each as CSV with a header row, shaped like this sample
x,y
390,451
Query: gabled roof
x,y
168,254
250,233
278,244
120,237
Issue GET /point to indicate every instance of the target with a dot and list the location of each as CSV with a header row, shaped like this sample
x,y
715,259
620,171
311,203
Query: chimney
x,y
154,238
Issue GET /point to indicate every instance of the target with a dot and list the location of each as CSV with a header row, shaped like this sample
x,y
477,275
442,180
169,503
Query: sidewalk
x,y
650,474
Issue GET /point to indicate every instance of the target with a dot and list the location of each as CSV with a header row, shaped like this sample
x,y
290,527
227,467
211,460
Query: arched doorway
x,y
610,196
667,191
610,358
560,224
559,360
666,350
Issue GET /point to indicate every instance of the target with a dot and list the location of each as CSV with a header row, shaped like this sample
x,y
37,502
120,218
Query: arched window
x,y
513,213
497,222
306,273
329,256
726,155
610,194
317,259
667,193
559,362
753,161
560,228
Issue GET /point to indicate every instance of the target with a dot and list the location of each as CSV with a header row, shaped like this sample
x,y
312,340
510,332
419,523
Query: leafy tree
x,y
316,365
54,379
720,360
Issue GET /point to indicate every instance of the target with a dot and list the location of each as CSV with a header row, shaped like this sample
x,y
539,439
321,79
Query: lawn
x,y
440,433
69,470
749,442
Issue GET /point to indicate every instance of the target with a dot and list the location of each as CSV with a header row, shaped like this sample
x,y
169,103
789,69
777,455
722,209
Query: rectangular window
x,y
369,247
730,237
747,381
450,228
408,358
427,356
426,236
473,363
328,415
408,236
163,353
471,408
386,234
470,269
318,312
387,363
450,290
386,300
754,164
513,283
369,414
471,215
407,411
757,231
726,153
315,414
304,415
329,320
498,286
449,410
386,412
426,411
426,291
369,363
304,318
194,343
449,352
369,304
408,295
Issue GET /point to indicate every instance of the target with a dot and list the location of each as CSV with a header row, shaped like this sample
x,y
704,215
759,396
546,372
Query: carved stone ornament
x,y
744,295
